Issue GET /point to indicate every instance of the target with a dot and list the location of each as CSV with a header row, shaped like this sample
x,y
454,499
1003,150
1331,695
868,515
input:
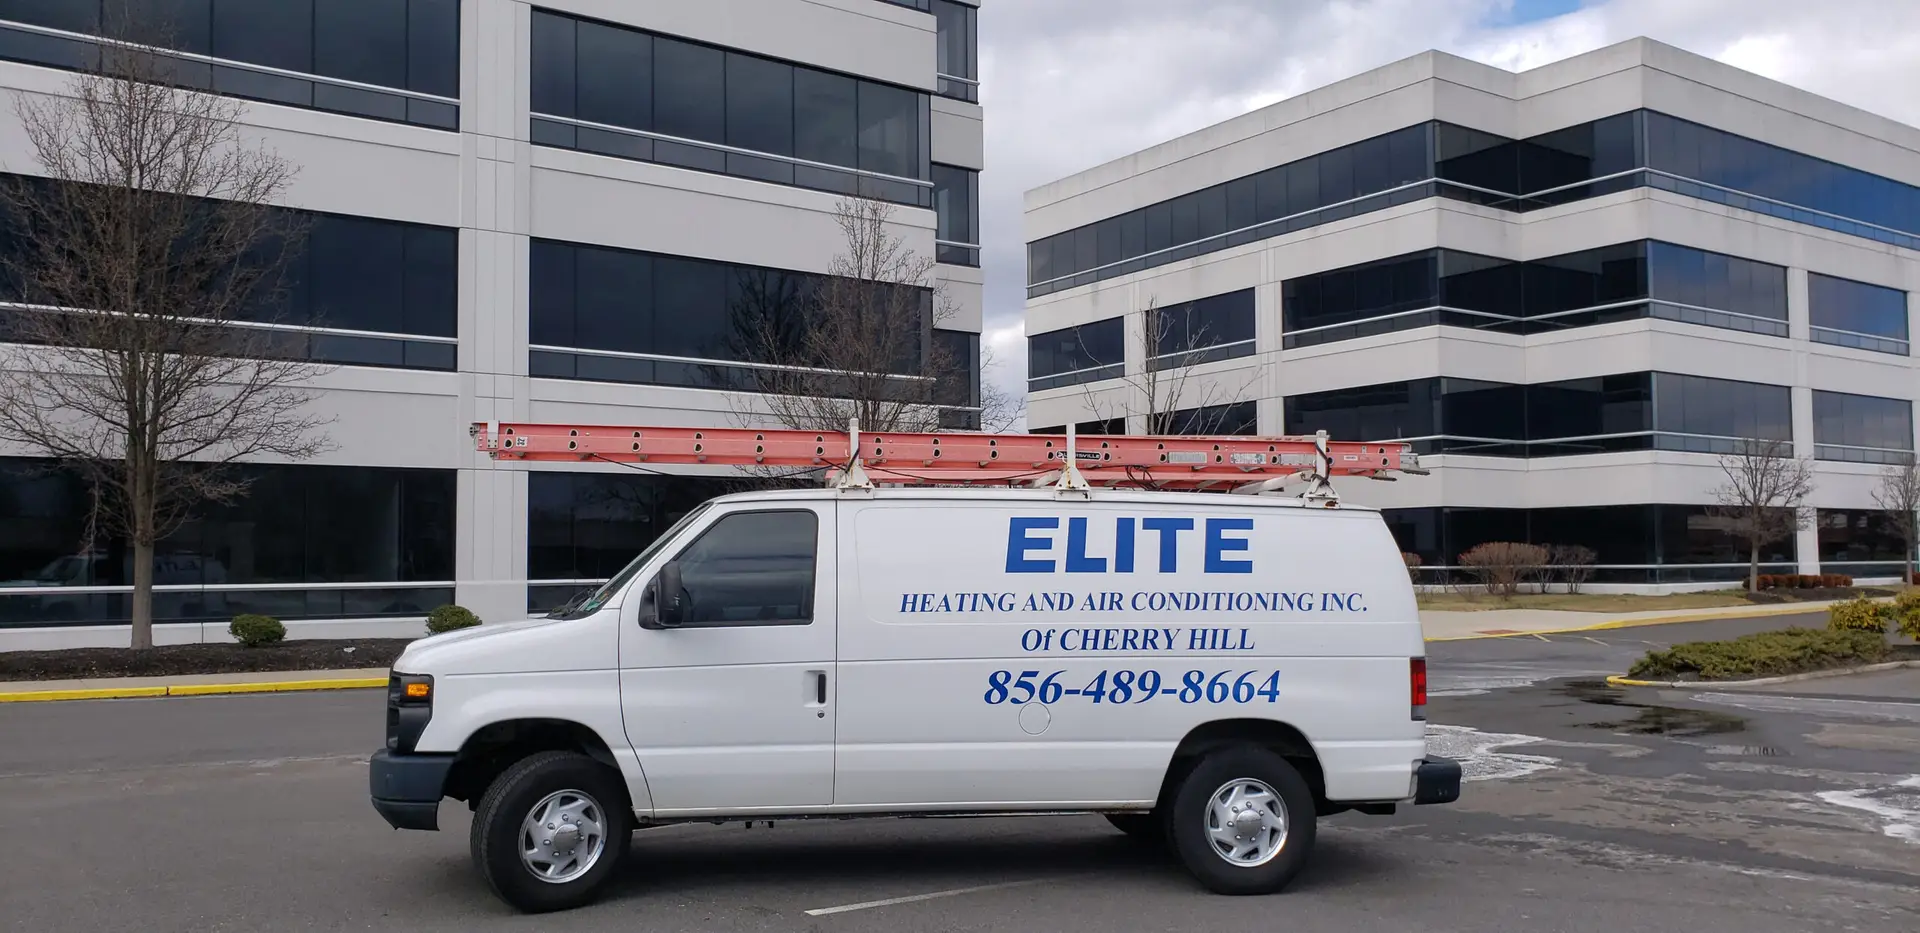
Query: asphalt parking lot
x,y
1589,809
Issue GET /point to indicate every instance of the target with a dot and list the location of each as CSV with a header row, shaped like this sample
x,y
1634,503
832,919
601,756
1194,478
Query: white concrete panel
x,y
959,133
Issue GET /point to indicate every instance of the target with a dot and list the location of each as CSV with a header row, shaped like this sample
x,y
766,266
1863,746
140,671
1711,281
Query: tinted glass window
x,y
1238,418
1389,411
1207,322
266,32
759,104
550,294
1843,420
1588,408
1721,408
959,353
554,64
360,40
1715,280
1585,279
689,90
889,130
175,24
614,74
826,111
955,191
330,524
751,568
1858,535
1305,185
1088,346
1856,307
54,14
1388,286
955,25
587,526
433,47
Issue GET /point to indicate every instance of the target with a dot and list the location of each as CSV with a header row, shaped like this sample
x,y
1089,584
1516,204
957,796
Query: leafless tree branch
x,y
1759,499
142,264
1166,394
1899,497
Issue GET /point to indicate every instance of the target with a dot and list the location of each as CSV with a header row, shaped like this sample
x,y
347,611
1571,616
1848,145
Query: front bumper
x,y
1436,780
406,789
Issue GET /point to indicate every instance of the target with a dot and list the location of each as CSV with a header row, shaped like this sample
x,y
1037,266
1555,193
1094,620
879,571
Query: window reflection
x,y
1075,355
1633,543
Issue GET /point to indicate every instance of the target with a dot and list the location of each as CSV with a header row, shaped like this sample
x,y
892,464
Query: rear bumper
x,y
406,789
1436,780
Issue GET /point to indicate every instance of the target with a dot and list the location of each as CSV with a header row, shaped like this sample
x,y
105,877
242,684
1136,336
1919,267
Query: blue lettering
x,y
1150,640
1169,530
1030,641
1107,639
1019,542
1130,640
1123,545
1218,544
906,602
1135,601
1114,602
1077,559
1246,643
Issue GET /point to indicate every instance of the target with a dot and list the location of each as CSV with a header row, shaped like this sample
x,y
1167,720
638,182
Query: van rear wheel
x,y
1242,821
550,830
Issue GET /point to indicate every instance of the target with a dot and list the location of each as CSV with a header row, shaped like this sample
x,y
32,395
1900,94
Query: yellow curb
x,y
288,686
103,693
1615,680
190,690
1704,616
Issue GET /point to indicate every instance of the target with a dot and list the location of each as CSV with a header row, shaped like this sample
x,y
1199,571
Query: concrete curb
x,y
1731,612
191,690
1619,680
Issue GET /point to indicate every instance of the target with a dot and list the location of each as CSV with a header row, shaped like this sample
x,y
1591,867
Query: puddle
x,y
1895,807
1649,718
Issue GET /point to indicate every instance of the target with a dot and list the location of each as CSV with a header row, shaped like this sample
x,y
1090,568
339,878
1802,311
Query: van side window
x,y
752,568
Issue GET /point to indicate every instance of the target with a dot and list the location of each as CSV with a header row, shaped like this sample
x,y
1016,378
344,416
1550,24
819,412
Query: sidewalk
x,y
1438,625
1441,625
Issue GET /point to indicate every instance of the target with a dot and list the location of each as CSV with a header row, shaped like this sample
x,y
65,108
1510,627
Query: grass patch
x,y
1766,654
1583,602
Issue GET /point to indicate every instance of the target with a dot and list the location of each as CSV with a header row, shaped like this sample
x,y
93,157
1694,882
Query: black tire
x,y
495,838
1145,828
1187,826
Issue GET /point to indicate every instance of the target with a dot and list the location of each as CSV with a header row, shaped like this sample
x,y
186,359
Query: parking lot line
x,y
913,898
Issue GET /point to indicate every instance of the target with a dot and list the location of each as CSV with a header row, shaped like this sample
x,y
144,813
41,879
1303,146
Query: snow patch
x,y
1480,755
1897,806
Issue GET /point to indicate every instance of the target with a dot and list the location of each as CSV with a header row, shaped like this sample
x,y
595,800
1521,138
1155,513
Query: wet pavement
x,y
1588,809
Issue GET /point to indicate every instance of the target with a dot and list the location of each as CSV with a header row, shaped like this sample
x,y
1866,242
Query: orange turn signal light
x,y
418,691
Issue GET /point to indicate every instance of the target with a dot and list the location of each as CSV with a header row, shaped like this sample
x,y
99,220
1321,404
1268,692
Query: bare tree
x,y
142,265
1759,500
857,343
1166,394
1899,497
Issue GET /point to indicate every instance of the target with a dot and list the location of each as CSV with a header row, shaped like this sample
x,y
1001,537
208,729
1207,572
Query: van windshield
x,y
582,606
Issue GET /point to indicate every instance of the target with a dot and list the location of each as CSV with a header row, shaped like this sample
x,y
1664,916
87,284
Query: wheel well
x,y
1279,737
494,748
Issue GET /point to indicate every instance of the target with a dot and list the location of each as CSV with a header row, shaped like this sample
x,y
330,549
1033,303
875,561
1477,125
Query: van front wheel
x,y
549,831
1242,821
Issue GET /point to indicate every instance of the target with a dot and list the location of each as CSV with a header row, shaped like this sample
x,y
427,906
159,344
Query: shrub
x,y
1906,613
1859,614
1765,654
255,630
1575,564
450,618
1413,563
1501,566
1803,581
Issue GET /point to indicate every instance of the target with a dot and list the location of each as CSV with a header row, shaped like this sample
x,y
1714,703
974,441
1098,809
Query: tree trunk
x,y
142,594
1908,563
1753,567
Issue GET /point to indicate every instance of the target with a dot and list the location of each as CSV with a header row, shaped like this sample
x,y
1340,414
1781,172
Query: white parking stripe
x,y
912,898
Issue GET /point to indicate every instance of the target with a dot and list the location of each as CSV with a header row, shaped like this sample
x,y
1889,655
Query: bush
x,y
1575,564
450,619
1413,563
1766,654
1859,614
255,630
1803,581
1906,613
1502,566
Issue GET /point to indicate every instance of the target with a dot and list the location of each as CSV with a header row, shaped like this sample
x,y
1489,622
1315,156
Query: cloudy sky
x,y
1069,84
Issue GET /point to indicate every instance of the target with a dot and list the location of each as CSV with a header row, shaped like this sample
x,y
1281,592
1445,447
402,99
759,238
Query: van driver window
x,y
751,568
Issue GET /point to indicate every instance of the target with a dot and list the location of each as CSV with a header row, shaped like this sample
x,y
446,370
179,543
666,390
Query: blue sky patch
x,y
1532,11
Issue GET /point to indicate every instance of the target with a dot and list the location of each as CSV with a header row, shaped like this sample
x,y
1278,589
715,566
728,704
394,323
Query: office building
x,y
1571,288
530,211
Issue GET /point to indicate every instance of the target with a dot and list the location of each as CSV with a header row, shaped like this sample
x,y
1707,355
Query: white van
x,y
1211,672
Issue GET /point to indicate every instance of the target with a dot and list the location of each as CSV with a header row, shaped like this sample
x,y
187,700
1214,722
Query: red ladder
x,y
852,459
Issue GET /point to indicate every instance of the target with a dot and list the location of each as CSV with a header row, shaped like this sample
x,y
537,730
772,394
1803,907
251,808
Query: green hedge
x,y
450,618
1765,654
256,630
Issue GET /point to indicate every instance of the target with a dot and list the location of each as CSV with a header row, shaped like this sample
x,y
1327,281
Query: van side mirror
x,y
667,599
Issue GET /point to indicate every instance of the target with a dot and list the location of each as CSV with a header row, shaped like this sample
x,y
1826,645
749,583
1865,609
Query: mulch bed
x,y
1824,594
301,655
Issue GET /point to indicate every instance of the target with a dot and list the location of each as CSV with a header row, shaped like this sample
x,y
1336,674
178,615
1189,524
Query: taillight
x,y
1417,683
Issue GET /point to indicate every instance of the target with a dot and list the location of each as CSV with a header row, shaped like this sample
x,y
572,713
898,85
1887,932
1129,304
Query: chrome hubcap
x,y
1246,822
563,836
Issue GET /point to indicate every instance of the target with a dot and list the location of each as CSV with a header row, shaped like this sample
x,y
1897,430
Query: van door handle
x,y
820,687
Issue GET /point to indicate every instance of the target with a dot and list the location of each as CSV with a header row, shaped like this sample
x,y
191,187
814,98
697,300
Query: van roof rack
x,y
851,460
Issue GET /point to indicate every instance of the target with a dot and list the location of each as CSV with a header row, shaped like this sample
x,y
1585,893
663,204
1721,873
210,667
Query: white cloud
x,y
1069,84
